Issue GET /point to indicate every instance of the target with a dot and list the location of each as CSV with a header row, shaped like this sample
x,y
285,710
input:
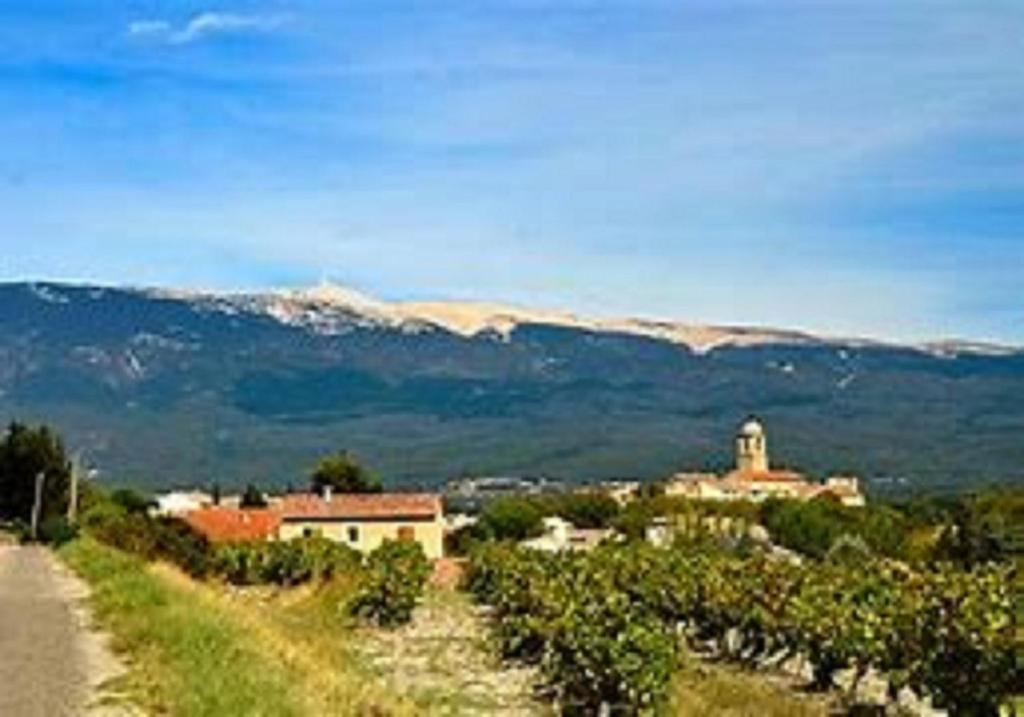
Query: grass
x,y
194,652
710,689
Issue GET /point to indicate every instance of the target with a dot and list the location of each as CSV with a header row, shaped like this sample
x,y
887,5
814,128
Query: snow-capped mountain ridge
x,y
333,309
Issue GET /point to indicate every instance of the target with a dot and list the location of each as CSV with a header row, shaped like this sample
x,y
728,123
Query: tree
x,y
510,518
252,498
588,510
25,452
131,500
341,472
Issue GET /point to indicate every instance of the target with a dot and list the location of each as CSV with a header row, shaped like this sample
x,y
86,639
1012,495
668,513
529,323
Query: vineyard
x,y
608,629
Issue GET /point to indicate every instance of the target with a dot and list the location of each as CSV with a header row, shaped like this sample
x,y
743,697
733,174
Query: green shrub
x,y
121,523
396,573
177,542
284,563
57,531
511,518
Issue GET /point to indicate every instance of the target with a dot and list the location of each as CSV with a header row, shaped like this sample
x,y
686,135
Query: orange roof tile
x,y
767,476
220,524
361,506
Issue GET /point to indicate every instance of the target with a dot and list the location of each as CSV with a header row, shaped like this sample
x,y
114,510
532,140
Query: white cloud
x,y
205,24
149,27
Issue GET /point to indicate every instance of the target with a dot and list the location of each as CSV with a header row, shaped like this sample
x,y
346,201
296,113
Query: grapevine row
x,y
608,627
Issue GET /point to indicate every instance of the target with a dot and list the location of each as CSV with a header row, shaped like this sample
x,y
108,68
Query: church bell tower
x,y
751,448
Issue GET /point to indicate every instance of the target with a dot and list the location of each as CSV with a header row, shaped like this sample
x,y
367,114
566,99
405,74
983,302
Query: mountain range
x,y
159,387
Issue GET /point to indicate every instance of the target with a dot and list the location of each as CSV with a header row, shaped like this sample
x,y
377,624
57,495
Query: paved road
x,y
43,661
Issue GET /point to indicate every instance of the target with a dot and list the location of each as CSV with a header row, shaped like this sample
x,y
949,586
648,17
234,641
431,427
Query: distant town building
x,y
361,521
754,479
179,502
621,491
559,535
472,494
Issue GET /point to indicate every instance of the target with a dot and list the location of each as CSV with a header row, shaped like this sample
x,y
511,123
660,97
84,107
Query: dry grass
x,y
185,656
307,630
196,650
706,689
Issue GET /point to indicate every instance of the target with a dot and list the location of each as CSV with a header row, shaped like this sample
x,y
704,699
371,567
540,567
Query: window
x,y
310,532
353,534
406,532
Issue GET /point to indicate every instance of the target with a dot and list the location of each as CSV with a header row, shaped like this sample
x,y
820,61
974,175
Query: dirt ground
x,y
51,662
443,655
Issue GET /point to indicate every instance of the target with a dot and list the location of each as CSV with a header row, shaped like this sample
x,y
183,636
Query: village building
x,y
621,491
754,479
561,535
365,520
180,502
361,521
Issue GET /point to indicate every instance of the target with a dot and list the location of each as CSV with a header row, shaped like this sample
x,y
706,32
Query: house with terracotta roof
x,y
754,479
365,520
221,524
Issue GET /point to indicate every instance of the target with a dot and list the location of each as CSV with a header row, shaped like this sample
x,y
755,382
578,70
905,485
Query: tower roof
x,y
751,427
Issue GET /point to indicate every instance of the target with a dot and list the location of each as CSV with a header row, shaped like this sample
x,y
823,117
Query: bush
x,y
177,542
510,518
284,563
57,531
396,574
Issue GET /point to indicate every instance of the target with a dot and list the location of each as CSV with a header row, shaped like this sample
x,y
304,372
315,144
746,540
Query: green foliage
x,y
252,497
984,528
26,452
284,563
577,618
247,563
813,527
521,517
396,573
56,531
343,473
177,542
587,509
462,541
849,550
131,500
134,531
585,619
809,528
511,518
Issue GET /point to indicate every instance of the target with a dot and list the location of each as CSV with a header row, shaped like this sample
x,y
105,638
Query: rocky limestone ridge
x,y
332,309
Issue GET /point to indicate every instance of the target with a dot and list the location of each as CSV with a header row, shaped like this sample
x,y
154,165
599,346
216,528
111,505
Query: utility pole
x,y
37,504
73,493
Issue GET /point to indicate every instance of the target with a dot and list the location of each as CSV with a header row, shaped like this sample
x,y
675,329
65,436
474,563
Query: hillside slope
x,y
160,387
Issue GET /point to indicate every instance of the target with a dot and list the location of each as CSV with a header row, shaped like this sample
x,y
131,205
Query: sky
x,y
848,167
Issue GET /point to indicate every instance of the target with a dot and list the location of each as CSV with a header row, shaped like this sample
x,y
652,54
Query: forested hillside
x,y
158,388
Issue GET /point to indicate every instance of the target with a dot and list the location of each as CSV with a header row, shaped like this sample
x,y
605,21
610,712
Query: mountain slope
x,y
161,387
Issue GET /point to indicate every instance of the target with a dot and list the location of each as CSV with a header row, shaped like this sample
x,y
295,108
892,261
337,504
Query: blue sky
x,y
850,167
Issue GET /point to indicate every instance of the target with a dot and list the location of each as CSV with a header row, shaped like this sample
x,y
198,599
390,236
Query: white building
x,y
559,534
179,502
